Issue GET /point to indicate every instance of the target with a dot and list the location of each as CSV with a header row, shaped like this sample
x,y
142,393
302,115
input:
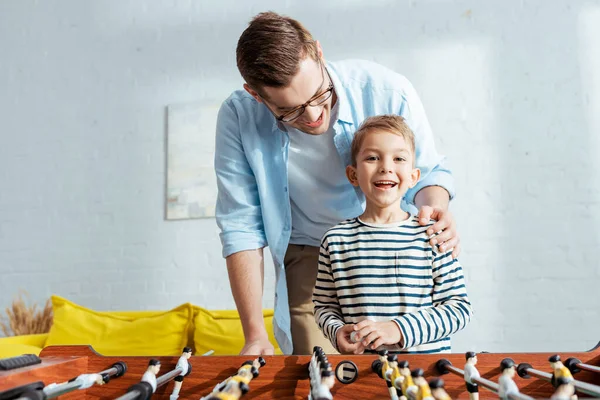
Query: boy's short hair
x,y
388,123
269,51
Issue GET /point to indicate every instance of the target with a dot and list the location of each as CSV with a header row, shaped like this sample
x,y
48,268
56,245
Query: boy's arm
x,y
327,307
451,310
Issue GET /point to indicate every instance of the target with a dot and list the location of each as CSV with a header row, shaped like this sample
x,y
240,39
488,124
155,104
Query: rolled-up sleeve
x,y
433,166
238,210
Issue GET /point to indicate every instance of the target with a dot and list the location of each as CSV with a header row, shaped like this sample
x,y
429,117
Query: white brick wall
x,y
512,90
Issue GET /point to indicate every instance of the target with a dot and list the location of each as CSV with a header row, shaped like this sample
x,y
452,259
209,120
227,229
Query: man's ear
x,y
351,175
415,176
319,50
253,93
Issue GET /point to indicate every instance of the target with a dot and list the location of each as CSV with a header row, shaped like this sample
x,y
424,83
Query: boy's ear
x,y
415,176
351,175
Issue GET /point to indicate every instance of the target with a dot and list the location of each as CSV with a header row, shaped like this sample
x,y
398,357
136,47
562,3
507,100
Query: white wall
x,y
512,90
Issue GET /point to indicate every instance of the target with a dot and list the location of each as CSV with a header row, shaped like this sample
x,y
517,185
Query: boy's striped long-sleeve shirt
x,y
390,272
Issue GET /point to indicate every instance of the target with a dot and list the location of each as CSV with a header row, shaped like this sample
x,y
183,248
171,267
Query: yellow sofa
x,y
143,333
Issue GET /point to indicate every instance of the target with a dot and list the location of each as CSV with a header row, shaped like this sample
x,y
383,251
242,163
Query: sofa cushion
x,y
17,349
222,332
159,334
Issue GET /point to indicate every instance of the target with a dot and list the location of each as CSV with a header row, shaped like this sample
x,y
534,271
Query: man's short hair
x,y
382,123
271,48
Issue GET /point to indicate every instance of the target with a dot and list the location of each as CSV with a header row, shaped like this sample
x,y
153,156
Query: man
x,y
282,146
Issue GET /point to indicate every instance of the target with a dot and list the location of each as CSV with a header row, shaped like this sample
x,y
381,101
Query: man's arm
x,y
239,215
432,196
435,189
246,277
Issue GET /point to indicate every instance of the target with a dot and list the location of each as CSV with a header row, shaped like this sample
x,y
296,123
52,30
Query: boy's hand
x,y
448,238
375,334
345,345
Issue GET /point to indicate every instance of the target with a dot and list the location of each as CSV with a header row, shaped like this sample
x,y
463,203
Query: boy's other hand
x,y
345,344
448,238
374,334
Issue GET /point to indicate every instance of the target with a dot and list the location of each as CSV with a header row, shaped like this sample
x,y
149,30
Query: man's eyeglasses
x,y
317,100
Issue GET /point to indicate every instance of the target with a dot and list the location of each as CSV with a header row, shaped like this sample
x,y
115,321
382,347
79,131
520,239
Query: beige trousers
x,y
301,264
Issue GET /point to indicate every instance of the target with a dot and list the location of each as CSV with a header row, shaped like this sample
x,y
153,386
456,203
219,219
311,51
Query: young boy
x,y
379,276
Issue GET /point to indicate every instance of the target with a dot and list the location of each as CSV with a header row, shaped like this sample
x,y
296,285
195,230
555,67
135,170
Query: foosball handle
x,y
33,391
121,368
25,360
571,363
144,388
441,366
522,370
376,367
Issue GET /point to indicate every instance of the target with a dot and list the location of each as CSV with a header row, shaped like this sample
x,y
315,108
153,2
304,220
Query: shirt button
x,y
285,189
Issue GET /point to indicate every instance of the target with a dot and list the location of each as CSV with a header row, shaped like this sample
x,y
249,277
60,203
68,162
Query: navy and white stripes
x,y
390,272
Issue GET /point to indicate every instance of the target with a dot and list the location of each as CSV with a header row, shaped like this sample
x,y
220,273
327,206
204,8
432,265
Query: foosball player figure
x,y
565,390
423,390
186,369
315,359
470,373
248,371
559,370
391,374
232,392
437,389
151,372
383,363
408,386
322,391
506,384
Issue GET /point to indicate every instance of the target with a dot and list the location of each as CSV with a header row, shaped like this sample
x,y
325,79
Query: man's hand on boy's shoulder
x,y
374,334
445,224
344,342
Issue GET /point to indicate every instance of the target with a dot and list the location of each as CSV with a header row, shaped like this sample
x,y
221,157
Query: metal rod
x,y
591,368
160,381
582,387
575,366
52,391
448,367
168,376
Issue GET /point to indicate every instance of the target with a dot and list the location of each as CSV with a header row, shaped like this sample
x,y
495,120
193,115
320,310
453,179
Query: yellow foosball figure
x,y
437,389
559,370
409,390
423,390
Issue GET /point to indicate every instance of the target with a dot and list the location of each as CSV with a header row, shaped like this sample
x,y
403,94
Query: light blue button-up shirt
x,y
251,154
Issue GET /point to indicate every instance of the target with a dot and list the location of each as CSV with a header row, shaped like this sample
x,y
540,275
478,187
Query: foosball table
x,y
78,372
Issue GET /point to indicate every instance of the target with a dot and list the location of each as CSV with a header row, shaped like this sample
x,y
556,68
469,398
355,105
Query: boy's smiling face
x,y
384,169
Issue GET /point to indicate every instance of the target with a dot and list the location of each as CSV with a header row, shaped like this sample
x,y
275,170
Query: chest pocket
x,y
413,273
